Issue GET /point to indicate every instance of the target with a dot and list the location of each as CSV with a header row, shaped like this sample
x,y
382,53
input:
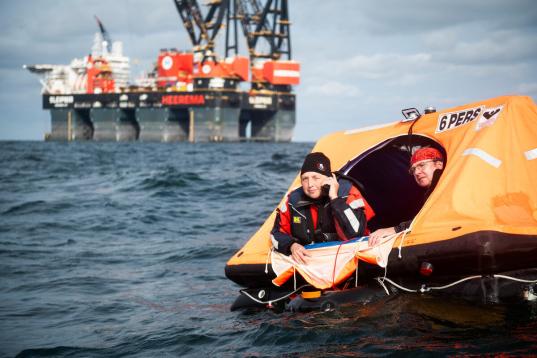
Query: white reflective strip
x,y
495,162
352,219
298,212
274,242
286,73
358,203
531,154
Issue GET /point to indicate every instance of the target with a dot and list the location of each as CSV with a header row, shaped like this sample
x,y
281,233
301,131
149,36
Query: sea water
x,y
119,249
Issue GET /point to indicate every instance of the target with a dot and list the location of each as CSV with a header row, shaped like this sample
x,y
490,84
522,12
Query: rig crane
x,y
104,34
265,26
269,23
202,68
203,30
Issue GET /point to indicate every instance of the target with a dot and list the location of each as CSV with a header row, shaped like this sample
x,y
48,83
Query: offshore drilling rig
x,y
196,96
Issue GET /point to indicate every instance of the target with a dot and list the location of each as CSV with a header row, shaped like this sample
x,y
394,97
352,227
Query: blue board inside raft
x,y
336,243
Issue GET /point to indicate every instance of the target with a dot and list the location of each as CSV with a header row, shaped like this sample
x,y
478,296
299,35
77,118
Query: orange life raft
x,y
481,219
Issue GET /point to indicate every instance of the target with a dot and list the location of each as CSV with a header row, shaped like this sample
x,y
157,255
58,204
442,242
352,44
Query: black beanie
x,y
316,162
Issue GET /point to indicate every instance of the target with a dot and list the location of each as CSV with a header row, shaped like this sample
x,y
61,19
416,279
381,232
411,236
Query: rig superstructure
x,y
196,95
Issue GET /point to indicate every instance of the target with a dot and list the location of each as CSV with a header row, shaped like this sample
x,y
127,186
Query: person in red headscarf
x,y
426,165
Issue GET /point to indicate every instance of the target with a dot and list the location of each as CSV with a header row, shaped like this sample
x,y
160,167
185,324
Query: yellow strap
x,y
311,294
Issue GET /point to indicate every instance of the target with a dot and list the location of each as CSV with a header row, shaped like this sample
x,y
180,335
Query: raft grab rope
x,y
424,288
401,243
270,302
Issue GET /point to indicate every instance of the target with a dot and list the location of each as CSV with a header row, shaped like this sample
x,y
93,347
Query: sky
x,y
362,61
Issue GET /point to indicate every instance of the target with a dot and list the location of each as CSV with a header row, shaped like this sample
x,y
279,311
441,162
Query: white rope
x,y
269,254
272,301
386,238
427,289
401,243
515,279
393,283
381,282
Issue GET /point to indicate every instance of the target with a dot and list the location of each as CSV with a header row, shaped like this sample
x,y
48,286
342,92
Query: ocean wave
x,y
60,352
27,207
170,178
200,253
278,167
83,284
38,206
32,158
243,187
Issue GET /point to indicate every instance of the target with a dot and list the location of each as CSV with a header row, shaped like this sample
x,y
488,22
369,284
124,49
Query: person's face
x,y
423,171
311,184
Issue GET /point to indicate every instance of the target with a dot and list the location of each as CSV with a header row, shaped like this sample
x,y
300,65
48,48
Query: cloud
x,y
381,66
391,69
414,17
527,88
501,47
63,29
333,88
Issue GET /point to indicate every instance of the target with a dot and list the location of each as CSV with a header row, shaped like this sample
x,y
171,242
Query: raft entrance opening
x,y
387,185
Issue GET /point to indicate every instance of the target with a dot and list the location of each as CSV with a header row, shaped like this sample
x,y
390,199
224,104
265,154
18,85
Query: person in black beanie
x,y
322,209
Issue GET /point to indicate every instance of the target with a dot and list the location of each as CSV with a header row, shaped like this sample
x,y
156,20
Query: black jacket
x,y
294,221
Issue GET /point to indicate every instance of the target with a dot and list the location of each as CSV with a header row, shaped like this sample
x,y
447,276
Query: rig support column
x,y
70,124
162,124
214,124
191,126
112,124
273,126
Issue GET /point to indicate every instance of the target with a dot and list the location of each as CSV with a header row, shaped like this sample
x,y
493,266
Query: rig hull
x,y
199,116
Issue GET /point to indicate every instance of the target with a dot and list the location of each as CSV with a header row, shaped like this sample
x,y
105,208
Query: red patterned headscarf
x,y
426,153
